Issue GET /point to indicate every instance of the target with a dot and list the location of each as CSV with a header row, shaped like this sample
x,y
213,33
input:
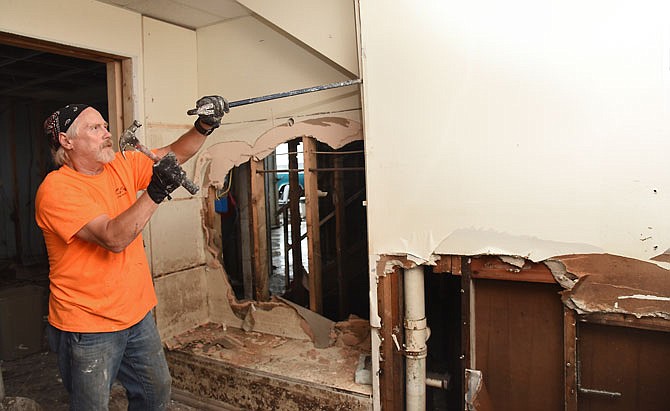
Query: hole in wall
x,y
342,229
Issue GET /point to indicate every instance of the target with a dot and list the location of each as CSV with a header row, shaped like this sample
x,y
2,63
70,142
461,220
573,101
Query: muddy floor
x,y
36,378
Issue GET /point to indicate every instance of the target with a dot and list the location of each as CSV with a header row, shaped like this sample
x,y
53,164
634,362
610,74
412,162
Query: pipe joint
x,y
419,324
416,354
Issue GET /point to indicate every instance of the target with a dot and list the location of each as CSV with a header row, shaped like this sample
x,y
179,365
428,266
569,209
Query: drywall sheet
x,y
333,37
182,299
551,123
170,71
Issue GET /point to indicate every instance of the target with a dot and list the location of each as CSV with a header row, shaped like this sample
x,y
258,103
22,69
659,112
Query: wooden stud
x,y
492,268
243,186
627,320
313,226
448,264
467,315
392,370
259,232
570,358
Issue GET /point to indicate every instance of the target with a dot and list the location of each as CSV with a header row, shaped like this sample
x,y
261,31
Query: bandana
x,y
60,121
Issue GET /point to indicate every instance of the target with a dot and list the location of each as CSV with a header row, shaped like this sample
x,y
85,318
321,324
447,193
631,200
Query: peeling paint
x,y
391,265
515,261
561,275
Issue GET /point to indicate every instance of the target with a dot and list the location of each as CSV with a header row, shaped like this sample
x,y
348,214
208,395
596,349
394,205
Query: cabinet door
x,y
622,368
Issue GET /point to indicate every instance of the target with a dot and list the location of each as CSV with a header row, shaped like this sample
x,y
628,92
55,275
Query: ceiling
x,y
191,14
38,75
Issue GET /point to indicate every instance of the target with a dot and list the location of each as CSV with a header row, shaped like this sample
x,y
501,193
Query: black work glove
x,y
167,177
211,110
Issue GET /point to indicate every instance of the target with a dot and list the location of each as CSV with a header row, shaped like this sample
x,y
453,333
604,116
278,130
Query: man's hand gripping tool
x,y
129,140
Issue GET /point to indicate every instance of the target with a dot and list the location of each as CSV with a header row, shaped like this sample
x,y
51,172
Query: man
x,y
101,290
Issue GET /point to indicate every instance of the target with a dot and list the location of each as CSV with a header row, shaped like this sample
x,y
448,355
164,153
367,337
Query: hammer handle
x,y
189,185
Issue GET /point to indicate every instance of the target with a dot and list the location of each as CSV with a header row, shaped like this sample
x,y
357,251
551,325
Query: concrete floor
x,y
33,383
278,276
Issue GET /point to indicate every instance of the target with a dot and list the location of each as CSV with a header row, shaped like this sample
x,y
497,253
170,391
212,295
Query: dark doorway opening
x,y
33,84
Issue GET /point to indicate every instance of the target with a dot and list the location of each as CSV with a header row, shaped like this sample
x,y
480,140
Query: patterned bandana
x,y
60,121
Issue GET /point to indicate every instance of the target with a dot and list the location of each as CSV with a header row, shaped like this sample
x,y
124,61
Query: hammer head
x,y
128,139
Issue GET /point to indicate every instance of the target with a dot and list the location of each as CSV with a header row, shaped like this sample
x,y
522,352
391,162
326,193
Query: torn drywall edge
x,y
417,247
317,326
336,132
473,242
224,156
561,275
375,319
517,262
606,283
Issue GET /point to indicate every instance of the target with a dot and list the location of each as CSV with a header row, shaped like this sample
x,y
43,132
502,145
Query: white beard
x,y
106,155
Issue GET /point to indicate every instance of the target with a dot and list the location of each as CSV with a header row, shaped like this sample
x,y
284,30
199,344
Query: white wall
x,y
523,127
327,26
245,58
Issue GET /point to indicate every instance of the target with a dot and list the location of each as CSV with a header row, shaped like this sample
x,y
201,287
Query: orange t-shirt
x,y
93,289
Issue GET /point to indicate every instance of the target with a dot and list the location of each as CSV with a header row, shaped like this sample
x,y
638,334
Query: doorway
x,y
33,84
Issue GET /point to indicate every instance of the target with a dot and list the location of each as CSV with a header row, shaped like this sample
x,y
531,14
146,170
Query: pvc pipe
x,y
437,383
415,340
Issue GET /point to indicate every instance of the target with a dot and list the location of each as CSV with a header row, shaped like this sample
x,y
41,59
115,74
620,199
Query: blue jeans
x,y
89,363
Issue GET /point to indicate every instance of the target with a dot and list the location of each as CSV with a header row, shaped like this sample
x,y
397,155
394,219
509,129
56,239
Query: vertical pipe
x,y
287,267
415,340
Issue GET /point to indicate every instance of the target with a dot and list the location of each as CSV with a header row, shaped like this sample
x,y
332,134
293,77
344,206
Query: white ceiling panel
x,y
192,14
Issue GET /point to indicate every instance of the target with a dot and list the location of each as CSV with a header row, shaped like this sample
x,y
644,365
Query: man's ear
x,y
64,141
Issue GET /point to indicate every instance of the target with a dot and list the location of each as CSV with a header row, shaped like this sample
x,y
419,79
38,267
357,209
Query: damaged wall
x,y
260,60
552,125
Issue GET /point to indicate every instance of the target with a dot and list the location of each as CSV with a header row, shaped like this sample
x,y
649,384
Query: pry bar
x,y
204,109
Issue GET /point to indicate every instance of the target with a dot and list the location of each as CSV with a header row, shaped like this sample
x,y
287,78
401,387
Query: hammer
x,y
129,140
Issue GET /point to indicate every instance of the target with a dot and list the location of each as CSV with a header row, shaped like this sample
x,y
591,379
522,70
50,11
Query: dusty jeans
x,y
89,363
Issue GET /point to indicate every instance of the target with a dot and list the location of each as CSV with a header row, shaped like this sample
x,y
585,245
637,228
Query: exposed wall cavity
x,y
334,131
276,317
